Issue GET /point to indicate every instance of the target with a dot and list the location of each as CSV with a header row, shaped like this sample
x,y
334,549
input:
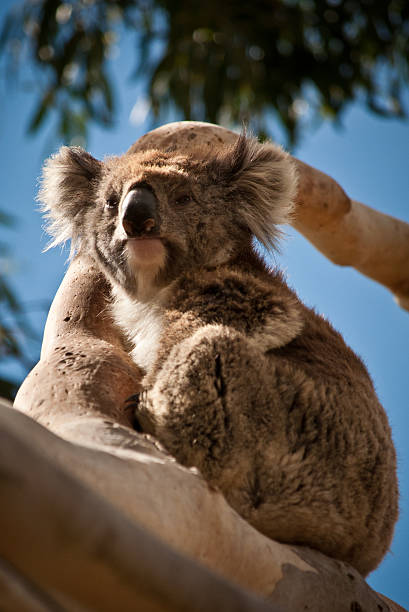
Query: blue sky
x,y
369,157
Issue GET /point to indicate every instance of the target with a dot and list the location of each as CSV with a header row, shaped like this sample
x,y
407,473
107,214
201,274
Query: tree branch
x,y
79,526
352,234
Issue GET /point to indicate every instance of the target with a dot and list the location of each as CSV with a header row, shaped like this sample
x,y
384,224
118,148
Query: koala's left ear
x,y
67,190
262,182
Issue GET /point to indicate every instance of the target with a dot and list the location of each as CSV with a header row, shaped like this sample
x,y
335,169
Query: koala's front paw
x,y
203,398
142,419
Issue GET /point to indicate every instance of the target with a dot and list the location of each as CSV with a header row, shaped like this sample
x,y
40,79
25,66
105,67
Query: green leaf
x,y
8,388
7,219
43,108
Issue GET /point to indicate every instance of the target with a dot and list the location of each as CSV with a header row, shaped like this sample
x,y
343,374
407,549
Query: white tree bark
x,y
352,234
77,525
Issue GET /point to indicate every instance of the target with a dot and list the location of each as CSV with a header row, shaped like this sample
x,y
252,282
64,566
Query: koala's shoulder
x,y
322,353
269,313
261,306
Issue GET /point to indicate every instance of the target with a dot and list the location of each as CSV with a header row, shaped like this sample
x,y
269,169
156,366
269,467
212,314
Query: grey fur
x,y
242,380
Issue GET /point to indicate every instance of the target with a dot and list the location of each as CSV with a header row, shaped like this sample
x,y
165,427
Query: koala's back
x,y
303,449
337,455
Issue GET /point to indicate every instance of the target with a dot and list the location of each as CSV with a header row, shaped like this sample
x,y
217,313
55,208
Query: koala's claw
x,y
142,420
131,405
133,401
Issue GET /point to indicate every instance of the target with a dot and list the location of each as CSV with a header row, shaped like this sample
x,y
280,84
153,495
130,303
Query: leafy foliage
x,y
294,60
218,61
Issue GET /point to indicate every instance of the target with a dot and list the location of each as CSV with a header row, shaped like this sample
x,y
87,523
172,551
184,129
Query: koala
x,y
242,380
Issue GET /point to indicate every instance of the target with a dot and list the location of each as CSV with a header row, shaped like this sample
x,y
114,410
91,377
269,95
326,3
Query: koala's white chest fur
x,y
142,323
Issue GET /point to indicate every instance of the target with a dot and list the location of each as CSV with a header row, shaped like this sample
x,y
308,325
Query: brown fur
x,y
242,380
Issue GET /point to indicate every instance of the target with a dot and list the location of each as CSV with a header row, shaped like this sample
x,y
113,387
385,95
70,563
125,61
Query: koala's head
x,y
155,214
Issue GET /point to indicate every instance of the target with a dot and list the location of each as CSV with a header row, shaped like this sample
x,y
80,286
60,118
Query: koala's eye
x,y
184,199
112,202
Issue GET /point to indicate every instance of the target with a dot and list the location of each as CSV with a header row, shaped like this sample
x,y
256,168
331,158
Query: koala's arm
x,y
261,308
84,370
212,313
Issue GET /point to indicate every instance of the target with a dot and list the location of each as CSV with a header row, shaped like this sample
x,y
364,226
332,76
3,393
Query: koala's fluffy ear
x,y
67,190
262,180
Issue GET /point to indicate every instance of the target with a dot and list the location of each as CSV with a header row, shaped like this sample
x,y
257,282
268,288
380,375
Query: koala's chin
x,y
146,260
145,253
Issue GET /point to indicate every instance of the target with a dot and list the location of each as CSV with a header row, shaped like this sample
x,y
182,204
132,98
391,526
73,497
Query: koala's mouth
x,y
146,251
144,237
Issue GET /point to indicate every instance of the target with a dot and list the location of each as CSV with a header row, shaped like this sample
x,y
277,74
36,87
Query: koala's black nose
x,y
139,213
